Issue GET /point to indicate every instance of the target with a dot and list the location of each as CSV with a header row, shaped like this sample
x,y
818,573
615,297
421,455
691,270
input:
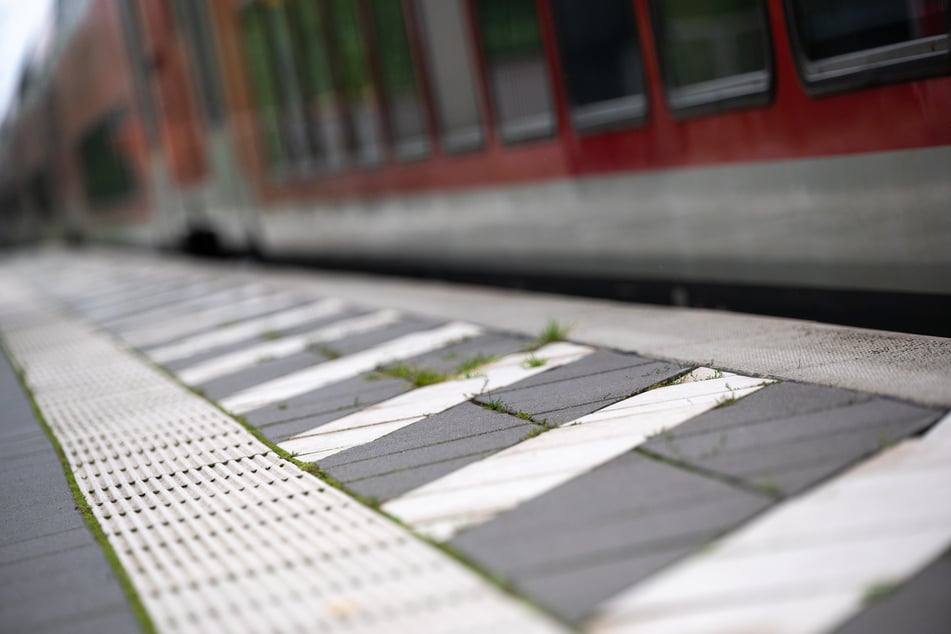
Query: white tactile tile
x,y
374,422
215,531
806,565
348,366
247,357
483,489
206,341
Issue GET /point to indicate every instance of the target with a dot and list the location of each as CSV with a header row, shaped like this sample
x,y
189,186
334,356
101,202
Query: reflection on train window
x,y
404,110
712,51
838,37
294,128
325,124
355,83
107,176
265,92
518,72
450,65
601,62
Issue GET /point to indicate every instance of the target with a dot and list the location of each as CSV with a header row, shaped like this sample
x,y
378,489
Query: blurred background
x,y
778,156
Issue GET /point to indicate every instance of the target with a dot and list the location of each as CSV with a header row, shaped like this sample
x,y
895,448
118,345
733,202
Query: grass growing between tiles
x,y
82,505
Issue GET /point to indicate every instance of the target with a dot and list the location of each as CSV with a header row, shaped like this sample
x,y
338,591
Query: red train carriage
x,y
799,143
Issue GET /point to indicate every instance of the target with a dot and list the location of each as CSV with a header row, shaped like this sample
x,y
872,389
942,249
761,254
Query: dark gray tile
x,y
261,372
784,452
574,390
920,605
407,458
606,530
450,358
53,574
257,339
324,405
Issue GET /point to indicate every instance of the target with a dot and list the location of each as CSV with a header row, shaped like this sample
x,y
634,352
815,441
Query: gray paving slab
x,y
261,372
423,451
791,451
246,314
921,605
574,390
451,357
606,530
269,369
280,421
53,574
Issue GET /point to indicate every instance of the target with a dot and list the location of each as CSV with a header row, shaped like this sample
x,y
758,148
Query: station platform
x,y
195,446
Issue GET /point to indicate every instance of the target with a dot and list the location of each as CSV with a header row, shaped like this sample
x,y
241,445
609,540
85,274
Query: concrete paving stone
x,y
466,430
363,341
214,353
104,621
570,392
264,370
778,400
33,545
329,403
449,358
391,485
781,452
920,605
268,370
245,313
56,588
523,544
24,445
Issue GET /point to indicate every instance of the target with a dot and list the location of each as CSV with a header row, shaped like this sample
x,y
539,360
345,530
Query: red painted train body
x,y
778,142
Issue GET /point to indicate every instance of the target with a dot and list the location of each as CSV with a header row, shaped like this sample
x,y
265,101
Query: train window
x,y
714,53
265,91
451,71
355,82
518,70
298,141
323,111
601,62
106,174
847,42
404,109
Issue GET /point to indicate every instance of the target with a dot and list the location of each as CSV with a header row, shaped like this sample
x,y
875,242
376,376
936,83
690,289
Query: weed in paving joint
x,y
878,591
271,335
552,332
324,350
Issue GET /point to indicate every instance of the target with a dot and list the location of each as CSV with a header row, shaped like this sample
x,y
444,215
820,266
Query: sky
x,y
20,23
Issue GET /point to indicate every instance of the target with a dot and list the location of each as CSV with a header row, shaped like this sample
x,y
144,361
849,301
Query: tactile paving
x,y
216,531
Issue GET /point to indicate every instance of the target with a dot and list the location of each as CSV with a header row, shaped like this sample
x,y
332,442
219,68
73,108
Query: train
x,y
793,144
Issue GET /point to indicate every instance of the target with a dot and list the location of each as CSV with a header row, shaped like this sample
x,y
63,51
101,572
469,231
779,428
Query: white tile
x,y
506,479
880,522
247,357
245,330
352,365
378,420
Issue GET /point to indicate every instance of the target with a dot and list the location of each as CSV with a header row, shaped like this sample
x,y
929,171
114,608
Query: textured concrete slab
x,y
920,605
571,391
424,451
265,370
791,451
53,575
606,530
280,421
